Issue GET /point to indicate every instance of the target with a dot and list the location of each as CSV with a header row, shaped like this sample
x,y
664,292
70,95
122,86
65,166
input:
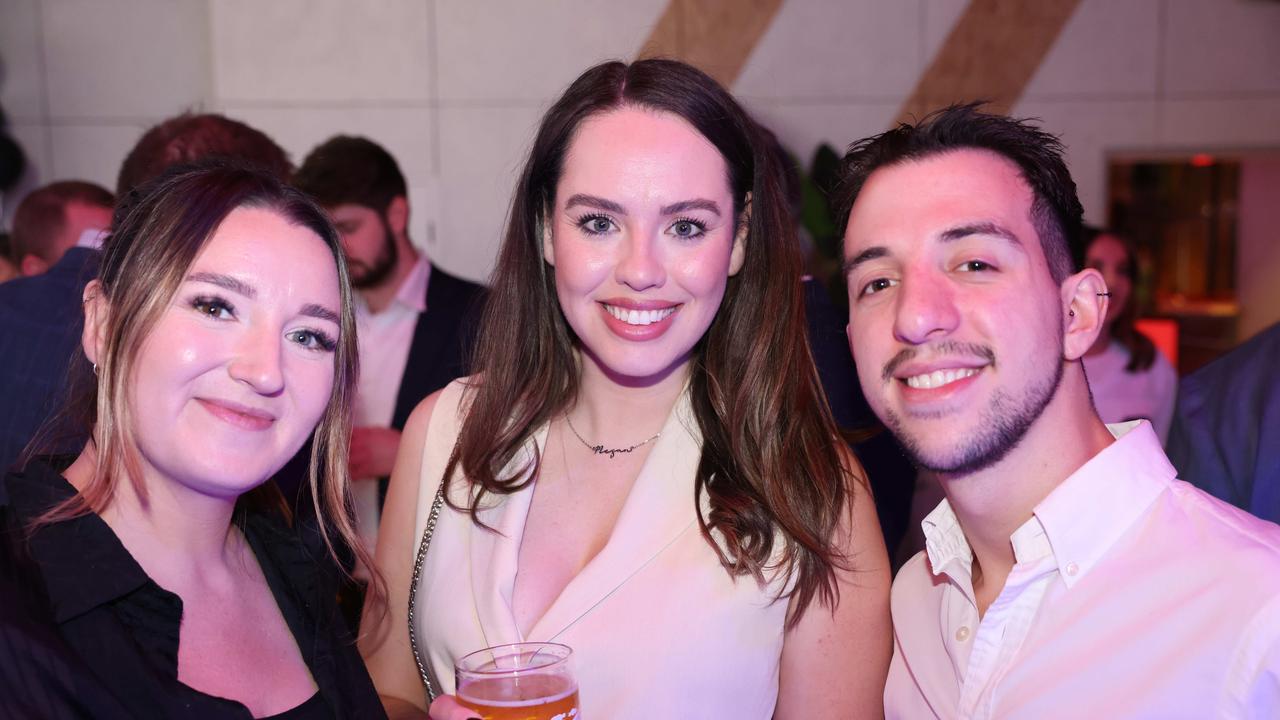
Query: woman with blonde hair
x,y
153,575
644,467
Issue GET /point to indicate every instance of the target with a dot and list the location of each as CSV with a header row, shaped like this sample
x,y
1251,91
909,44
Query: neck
x,y
992,503
176,534
620,412
380,298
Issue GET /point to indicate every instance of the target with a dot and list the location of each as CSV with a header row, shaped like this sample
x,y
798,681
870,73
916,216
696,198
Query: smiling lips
x,y
238,415
939,378
638,319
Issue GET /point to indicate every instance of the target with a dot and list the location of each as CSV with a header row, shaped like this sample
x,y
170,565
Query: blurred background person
x,y
8,270
1226,432
1128,377
55,218
40,316
218,337
415,319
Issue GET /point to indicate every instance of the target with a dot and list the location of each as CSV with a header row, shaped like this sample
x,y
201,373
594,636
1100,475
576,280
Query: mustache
x,y
942,349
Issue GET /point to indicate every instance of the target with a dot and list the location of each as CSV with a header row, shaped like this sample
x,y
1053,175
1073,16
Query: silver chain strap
x,y
413,590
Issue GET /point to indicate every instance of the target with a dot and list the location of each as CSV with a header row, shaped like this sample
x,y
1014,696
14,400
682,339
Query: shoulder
x,y
1243,550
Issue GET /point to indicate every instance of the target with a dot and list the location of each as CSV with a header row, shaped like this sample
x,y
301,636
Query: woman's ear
x,y
1084,307
96,312
739,252
544,230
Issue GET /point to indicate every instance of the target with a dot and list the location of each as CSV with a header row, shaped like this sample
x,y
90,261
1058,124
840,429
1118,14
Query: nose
x,y
925,311
641,266
258,362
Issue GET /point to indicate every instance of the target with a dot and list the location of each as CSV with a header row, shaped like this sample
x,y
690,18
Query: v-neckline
x,y
658,509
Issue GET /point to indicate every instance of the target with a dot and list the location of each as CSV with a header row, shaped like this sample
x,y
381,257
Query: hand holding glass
x,y
522,681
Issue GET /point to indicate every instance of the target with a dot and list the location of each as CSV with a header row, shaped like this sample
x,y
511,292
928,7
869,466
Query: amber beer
x,y
524,681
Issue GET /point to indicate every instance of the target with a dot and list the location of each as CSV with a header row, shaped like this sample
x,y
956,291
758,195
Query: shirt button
x,y
1072,569
962,634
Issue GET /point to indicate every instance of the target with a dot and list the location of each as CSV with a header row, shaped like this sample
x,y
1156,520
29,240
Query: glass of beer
x,y
522,681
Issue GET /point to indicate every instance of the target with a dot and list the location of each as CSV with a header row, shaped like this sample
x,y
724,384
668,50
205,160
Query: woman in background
x,y
1128,377
150,576
644,467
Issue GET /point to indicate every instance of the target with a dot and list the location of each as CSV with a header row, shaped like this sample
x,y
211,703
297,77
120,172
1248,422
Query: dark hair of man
x,y
189,138
1055,210
42,215
1142,352
771,466
351,170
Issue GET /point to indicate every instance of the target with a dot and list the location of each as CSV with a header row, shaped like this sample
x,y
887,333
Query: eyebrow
x,y
610,206
980,228
871,253
320,311
225,282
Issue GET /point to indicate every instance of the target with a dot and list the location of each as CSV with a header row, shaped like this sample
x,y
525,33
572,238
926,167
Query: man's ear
x,y
398,215
739,252
544,231
32,265
1084,308
96,313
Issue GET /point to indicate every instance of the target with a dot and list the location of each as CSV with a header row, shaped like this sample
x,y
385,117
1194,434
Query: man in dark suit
x,y
414,320
40,316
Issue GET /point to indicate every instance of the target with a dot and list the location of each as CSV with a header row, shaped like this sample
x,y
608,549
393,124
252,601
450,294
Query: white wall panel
x,y
321,50
125,58
1222,46
92,152
1107,48
21,82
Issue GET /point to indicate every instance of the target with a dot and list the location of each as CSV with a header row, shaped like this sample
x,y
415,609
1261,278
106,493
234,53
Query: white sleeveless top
x,y
658,628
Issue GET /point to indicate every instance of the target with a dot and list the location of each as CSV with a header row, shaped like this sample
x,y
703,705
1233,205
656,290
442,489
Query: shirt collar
x,y
83,563
1079,521
413,291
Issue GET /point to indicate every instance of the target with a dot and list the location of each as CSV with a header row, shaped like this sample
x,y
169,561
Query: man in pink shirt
x,y
1068,573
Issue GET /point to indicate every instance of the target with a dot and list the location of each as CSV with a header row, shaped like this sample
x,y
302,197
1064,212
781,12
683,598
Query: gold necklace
x,y
602,450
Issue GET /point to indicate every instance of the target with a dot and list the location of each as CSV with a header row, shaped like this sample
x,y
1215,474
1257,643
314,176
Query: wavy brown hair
x,y
772,466
158,231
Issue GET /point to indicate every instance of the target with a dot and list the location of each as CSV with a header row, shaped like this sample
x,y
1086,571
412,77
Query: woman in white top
x,y
644,467
1128,378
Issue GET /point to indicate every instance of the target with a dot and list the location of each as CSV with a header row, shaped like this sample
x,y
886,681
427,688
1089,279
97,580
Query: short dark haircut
x,y
190,138
351,170
1056,213
42,215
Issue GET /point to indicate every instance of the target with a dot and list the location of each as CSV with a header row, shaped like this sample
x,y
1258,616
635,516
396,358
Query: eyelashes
x,y
600,224
219,309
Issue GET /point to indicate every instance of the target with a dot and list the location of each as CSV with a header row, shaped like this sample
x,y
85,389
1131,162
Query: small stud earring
x,y
1072,313
95,368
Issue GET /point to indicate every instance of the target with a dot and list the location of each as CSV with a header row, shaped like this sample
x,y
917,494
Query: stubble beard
x,y
1001,428
367,277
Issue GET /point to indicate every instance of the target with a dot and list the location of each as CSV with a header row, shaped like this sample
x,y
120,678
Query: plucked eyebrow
x,y
981,228
594,202
687,205
322,312
226,282
871,253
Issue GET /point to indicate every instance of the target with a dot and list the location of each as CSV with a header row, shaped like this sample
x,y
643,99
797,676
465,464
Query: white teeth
x,y
938,378
639,317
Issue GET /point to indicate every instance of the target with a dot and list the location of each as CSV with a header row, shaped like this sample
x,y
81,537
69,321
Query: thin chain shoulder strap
x,y
427,532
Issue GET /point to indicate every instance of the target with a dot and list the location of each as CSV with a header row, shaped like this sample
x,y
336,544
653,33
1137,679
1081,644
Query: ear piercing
x,y
1105,294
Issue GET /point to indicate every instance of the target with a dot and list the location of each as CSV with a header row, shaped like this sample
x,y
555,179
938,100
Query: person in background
x,y
155,567
1128,377
643,466
8,270
415,319
40,316
1226,430
1067,573
55,218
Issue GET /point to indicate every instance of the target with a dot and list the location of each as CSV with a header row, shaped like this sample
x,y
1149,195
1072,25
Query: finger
x,y
446,707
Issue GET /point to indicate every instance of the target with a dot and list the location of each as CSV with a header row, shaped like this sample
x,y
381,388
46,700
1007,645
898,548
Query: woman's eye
x,y
687,228
596,224
877,285
975,266
313,340
213,307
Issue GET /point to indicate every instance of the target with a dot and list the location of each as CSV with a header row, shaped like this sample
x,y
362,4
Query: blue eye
x,y
596,224
213,307
313,340
688,228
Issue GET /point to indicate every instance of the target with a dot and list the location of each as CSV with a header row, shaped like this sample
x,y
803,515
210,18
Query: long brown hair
x,y
1124,330
772,465
158,231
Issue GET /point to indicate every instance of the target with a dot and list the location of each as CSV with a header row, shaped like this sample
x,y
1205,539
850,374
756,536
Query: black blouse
x,y
84,632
